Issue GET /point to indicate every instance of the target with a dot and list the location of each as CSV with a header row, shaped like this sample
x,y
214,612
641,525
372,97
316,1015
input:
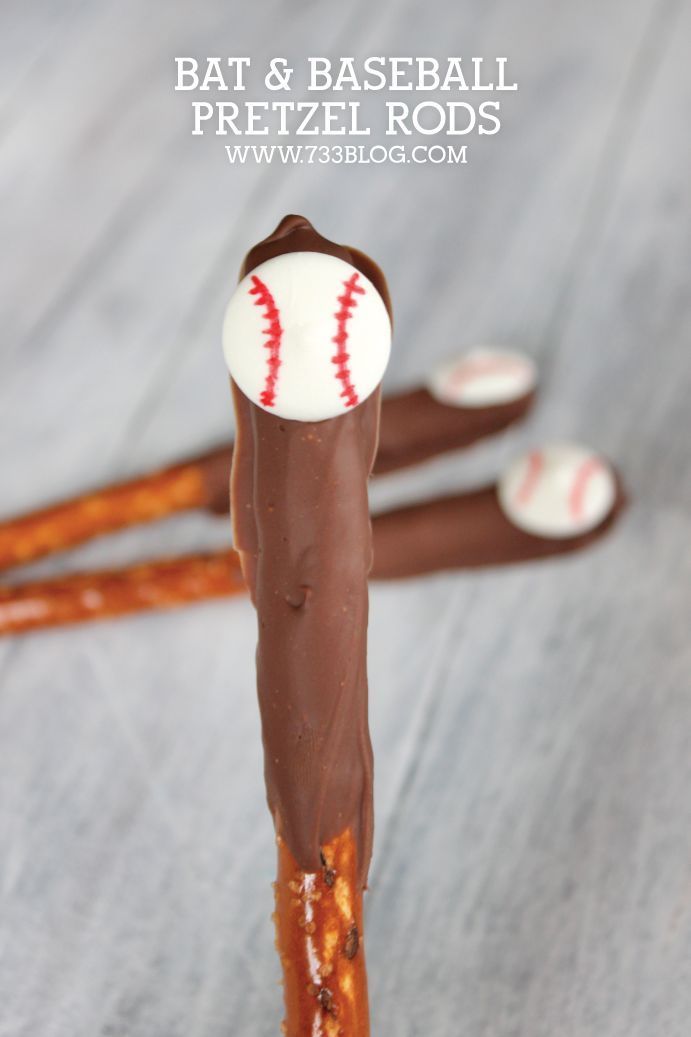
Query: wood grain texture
x,y
532,728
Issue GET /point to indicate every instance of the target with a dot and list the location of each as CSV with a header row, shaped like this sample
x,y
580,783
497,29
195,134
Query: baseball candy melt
x,y
563,490
306,336
483,377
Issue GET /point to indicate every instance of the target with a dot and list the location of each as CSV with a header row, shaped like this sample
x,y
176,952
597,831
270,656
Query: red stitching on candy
x,y
341,357
274,331
577,496
470,369
530,479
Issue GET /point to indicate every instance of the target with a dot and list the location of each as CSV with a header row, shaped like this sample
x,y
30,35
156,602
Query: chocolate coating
x,y
302,527
415,426
468,531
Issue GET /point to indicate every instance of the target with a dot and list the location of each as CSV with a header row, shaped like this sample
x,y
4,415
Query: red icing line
x,y
535,465
274,331
581,479
490,365
341,357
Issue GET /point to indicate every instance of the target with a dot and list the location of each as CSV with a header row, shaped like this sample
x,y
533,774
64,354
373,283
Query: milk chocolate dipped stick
x,y
537,519
550,502
479,394
307,337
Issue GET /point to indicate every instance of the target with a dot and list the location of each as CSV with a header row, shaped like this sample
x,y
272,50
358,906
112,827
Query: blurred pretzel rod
x,y
466,531
414,427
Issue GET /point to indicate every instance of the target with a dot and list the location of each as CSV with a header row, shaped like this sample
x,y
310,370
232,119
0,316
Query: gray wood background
x,y
532,728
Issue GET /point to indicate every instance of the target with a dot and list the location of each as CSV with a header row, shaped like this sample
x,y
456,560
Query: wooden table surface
x,y
532,727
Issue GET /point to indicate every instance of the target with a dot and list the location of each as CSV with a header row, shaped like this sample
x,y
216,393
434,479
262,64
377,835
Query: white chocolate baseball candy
x,y
306,336
559,491
483,377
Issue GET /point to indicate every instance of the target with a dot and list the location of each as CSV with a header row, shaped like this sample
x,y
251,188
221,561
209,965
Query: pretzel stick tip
x,y
319,929
82,597
200,482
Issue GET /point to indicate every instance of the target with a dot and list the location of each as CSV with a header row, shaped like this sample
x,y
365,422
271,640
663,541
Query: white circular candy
x,y
306,336
559,491
483,377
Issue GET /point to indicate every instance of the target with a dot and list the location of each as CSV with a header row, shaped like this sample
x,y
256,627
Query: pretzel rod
x,y
318,924
468,531
414,427
306,338
106,593
191,484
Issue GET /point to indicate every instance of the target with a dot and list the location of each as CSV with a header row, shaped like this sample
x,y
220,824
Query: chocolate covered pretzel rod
x,y
480,529
478,395
467,531
307,337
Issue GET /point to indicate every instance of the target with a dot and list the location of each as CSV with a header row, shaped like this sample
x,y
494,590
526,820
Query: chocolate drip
x,y
302,527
